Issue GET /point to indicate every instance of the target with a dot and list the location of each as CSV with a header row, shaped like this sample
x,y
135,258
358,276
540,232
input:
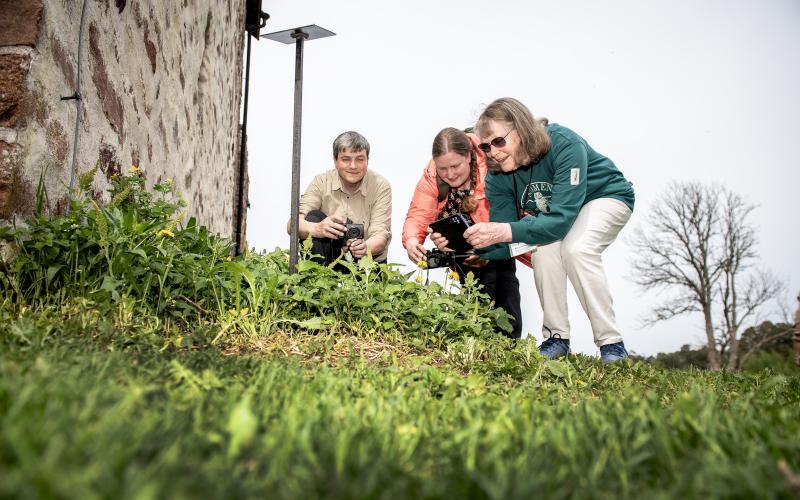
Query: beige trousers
x,y
579,257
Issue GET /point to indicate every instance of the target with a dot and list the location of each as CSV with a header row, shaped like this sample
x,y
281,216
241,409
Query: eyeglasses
x,y
497,142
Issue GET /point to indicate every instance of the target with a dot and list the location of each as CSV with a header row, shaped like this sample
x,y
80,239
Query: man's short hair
x,y
350,140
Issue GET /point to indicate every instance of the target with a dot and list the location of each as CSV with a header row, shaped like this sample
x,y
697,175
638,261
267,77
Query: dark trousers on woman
x,y
499,280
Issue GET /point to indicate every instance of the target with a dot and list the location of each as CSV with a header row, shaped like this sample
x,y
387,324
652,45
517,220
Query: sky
x,y
678,90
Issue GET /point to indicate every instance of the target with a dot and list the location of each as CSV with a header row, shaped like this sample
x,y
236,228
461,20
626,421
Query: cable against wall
x,y
78,103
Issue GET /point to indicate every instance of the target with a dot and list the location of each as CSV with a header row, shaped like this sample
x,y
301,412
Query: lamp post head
x,y
310,32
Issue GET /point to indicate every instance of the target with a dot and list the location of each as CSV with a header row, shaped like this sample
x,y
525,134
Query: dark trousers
x,y
499,280
326,249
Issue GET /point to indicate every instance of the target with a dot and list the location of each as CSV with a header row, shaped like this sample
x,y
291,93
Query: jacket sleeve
x,y
502,208
569,192
423,209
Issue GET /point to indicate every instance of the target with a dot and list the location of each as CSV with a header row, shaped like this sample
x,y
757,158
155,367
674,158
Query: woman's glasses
x,y
497,142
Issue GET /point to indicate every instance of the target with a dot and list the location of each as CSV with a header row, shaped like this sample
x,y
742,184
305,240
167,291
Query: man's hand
x,y
416,252
330,227
484,234
357,247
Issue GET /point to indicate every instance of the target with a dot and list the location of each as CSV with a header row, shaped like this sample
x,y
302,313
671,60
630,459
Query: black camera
x,y
353,231
437,258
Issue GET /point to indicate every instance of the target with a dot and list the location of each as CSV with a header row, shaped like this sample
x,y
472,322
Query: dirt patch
x,y
334,349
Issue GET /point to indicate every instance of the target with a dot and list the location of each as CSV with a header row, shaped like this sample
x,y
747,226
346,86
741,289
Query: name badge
x,y
520,248
575,176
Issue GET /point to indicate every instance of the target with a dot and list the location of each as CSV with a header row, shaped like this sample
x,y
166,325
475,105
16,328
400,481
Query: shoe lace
x,y
554,340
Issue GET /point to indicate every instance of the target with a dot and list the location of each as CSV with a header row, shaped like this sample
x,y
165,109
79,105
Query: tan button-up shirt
x,y
370,205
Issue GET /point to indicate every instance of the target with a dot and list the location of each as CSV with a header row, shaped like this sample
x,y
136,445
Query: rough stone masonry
x,y
160,87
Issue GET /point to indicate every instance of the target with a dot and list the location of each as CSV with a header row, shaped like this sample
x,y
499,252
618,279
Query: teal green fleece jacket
x,y
542,200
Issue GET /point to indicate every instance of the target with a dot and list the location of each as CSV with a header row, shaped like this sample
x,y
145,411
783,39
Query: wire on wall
x,y
78,104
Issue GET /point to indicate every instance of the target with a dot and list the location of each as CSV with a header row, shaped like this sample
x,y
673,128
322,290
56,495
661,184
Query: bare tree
x,y
698,243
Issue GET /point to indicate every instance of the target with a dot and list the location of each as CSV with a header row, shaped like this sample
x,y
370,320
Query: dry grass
x,y
332,349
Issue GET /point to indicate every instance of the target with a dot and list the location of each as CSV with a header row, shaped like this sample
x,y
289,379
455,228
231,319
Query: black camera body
x,y
437,258
353,231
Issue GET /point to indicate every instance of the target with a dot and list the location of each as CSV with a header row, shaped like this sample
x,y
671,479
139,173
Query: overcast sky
x,y
669,90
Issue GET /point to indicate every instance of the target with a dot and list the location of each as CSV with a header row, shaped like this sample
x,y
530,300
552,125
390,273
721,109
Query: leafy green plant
x,y
136,248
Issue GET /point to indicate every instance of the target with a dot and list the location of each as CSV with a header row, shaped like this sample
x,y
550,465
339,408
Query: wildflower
x,y
452,275
229,258
134,169
422,264
167,233
419,279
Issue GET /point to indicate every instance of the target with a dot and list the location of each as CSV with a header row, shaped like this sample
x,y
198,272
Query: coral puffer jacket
x,y
425,206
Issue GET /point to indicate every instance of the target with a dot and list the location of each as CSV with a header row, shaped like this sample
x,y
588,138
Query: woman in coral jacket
x,y
453,182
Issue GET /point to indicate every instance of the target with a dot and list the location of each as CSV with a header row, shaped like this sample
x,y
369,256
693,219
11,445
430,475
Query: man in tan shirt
x,y
349,193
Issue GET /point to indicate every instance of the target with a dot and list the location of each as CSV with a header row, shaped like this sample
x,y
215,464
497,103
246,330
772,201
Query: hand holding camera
x,y
353,239
336,228
331,227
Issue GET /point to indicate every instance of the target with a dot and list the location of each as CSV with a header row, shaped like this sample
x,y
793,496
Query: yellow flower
x,y
167,233
422,264
134,169
419,279
453,275
229,258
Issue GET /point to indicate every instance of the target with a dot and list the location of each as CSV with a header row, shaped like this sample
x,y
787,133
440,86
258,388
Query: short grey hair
x,y
350,140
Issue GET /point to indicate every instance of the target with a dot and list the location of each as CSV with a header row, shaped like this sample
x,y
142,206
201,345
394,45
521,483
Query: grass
x,y
137,360
88,409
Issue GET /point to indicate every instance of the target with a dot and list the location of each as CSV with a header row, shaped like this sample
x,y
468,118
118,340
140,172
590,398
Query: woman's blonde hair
x,y
533,136
453,140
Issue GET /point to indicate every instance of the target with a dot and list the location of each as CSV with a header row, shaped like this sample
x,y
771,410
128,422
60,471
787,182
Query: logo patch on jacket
x,y
536,198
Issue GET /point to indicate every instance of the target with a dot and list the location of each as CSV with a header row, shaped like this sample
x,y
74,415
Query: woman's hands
x,y
415,250
484,234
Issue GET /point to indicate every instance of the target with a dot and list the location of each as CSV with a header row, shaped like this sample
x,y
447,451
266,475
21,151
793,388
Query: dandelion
x,y
167,233
419,279
134,169
229,258
452,275
422,264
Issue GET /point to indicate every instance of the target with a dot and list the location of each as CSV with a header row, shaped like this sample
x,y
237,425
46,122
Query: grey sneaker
x,y
554,347
611,353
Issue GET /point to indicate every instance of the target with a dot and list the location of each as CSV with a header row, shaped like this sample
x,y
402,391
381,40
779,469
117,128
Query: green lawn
x,y
139,360
91,410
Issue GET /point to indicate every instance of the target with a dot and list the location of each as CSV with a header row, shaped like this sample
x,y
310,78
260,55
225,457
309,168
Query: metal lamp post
x,y
298,36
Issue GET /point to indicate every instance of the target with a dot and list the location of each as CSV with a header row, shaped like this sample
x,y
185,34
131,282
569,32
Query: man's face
x,y
352,166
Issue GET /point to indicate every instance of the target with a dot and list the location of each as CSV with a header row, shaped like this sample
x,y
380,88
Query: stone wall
x,y
160,89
